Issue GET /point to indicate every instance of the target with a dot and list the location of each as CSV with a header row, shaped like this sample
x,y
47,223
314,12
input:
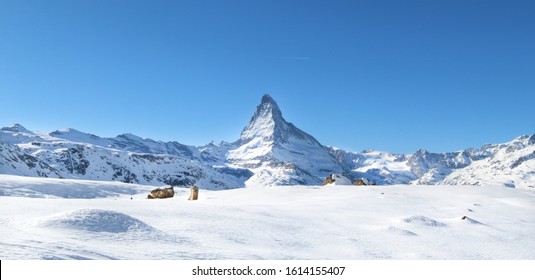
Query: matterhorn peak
x,y
269,141
267,99
266,121
268,125
268,108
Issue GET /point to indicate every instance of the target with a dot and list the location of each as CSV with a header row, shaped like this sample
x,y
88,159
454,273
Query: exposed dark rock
x,y
523,159
161,193
328,180
236,172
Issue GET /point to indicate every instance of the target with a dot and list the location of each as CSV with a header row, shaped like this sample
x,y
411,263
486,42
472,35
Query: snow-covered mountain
x,y
278,152
15,161
511,164
128,142
379,167
126,158
270,151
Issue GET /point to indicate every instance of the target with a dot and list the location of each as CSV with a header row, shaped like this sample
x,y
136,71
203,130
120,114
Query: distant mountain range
x,y
270,151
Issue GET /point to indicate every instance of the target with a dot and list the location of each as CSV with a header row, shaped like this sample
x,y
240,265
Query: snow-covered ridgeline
x,y
270,151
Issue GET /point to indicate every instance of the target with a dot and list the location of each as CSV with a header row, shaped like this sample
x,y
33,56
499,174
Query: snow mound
x,y
424,221
472,221
96,220
401,231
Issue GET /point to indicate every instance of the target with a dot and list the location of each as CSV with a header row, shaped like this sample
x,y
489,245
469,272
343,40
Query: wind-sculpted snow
x,y
65,188
424,221
96,220
294,222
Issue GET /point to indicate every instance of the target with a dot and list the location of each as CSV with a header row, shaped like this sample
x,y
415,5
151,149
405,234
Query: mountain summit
x,y
16,128
266,122
268,125
270,144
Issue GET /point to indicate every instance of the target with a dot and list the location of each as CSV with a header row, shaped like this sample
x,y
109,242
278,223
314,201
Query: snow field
x,y
279,223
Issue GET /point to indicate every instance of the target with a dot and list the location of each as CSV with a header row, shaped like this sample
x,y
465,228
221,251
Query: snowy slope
x,y
20,186
298,222
279,153
511,164
379,167
508,164
17,134
97,163
77,155
128,142
14,161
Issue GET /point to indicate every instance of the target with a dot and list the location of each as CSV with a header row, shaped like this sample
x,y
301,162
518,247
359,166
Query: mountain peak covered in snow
x,y
16,128
267,99
16,134
73,135
266,122
269,144
269,126
269,106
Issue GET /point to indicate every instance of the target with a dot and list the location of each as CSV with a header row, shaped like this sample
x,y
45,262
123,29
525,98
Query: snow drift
x,y
297,222
97,220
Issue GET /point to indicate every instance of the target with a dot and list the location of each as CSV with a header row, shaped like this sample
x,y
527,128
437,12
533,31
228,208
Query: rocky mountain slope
x,y
278,152
511,164
66,155
270,151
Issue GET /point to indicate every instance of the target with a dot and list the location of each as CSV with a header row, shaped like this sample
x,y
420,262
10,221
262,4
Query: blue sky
x,y
386,75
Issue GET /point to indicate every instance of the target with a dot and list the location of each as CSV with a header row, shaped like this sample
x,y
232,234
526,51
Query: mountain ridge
x,y
270,151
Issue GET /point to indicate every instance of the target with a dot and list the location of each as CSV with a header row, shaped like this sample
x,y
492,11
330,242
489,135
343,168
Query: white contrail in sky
x,y
295,57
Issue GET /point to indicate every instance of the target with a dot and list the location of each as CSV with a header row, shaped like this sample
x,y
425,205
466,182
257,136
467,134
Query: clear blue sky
x,y
386,75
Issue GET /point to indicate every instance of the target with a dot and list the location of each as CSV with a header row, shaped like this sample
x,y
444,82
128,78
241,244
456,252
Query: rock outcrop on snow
x,y
160,193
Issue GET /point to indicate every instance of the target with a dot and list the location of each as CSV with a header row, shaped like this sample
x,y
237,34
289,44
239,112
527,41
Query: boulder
x,y
362,182
161,193
328,180
194,193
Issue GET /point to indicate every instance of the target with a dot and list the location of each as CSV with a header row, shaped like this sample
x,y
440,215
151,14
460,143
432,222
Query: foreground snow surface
x,y
300,222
